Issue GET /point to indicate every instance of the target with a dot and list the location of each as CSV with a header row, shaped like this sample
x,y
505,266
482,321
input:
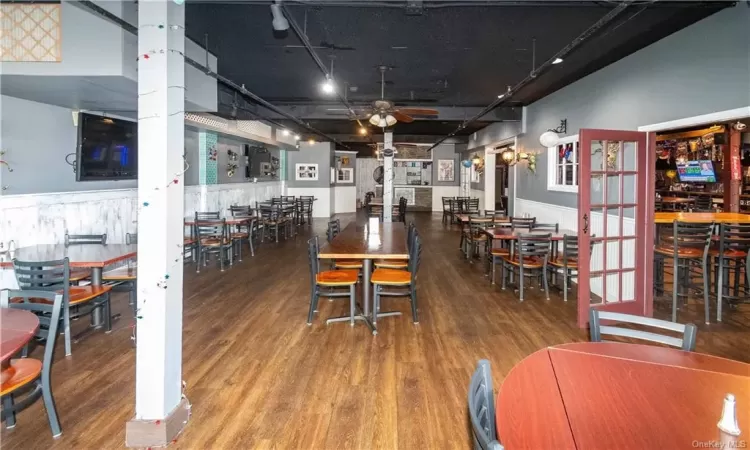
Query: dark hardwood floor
x,y
258,377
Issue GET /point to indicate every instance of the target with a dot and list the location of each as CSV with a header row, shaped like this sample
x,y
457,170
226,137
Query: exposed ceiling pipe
x,y
222,79
329,76
543,68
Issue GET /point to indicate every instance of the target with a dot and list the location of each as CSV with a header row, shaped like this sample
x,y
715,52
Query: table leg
x,y
367,274
97,320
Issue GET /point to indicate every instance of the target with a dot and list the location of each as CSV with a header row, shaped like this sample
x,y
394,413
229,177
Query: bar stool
x,y
688,250
731,253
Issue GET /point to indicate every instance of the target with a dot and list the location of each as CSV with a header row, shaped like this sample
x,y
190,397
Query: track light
x,y
311,141
296,137
557,61
363,131
279,22
285,132
327,86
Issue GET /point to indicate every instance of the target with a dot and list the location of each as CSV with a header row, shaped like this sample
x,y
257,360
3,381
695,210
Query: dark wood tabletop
x,y
612,395
83,255
510,234
360,242
17,327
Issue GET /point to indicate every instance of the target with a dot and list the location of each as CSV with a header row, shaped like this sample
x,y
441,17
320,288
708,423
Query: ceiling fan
x,y
383,113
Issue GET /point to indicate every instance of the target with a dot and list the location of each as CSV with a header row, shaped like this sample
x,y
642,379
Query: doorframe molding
x,y
719,116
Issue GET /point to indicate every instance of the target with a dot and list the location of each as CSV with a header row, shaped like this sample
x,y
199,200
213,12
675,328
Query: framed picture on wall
x,y
306,172
345,175
446,170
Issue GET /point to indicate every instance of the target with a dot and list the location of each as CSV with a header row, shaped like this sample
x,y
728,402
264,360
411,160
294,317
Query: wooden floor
x,y
258,377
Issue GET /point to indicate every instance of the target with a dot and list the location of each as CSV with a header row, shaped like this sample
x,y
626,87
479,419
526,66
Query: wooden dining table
x,y
464,218
700,217
17,327
91,256
366,242
609,395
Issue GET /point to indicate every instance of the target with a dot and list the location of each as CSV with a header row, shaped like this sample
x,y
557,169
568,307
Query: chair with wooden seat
x,y
125,278
382,279
522,222
306,208
551,227
78,301
334,228
447,209
78,274
530,260
243,232
687,250
731,255
703,203
482,408
687,332
213,237
329,283
273,221
495,256
472,206
567,263
23,373
207,215
399,263
474,236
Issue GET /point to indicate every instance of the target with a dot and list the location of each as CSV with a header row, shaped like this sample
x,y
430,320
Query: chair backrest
x,y
76,239
313,248
570,248
207,215
686,342
534,246
522,222
482,408
43,275
447,203
216,229
288,198
546,227
734,237
131,238
695,236
415,256
276,201
704,203
241,210
494,213
410,233
47,312
473,205
334,228
476,225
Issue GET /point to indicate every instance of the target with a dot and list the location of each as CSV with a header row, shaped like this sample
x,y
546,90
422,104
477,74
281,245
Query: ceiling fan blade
x,y
403,118
419,111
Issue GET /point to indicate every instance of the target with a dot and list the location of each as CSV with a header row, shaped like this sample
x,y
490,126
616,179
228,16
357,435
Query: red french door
x,y
615,221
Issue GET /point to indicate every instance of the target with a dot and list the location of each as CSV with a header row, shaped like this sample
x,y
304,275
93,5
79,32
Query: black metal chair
x,y
334,228
456,208
213,237
703,203
384,278
685,342
241,210
687,251
567,264
482,408
80,274
731,255
474,236
472,206
306,208
552,227
78,301
522,222
329,283
273,221
530,259
400,263
402,204
24,372
447,209
208,215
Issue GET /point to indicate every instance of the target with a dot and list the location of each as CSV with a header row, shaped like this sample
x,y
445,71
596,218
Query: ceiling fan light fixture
x,y
279,22
382,123
390,120
375,119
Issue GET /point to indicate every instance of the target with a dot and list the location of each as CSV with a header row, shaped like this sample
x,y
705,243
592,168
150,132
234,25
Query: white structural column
x,y
489,178
160,409
388,176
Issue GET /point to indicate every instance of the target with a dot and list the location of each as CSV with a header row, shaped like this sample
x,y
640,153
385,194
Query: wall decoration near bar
x,y
446,170
306,172
407,193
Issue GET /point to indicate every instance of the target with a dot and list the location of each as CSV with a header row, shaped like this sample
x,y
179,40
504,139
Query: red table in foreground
x,y
612,395
17,327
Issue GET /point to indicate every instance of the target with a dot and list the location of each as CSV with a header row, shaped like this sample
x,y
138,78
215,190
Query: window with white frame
x,y
562,165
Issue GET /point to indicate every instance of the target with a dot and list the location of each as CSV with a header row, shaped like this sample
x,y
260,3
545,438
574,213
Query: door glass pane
x,y
595,222
628,253
613,288
629,220
596,156
596,288
628,286
613,189
613,255
629,156
614,155
596,194
629,188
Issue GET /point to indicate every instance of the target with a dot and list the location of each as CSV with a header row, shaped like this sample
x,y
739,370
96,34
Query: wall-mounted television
x,y
700,171
107,149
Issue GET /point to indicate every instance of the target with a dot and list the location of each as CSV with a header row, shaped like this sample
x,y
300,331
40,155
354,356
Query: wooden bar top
x,y
83,255
701,217
360,242
616,395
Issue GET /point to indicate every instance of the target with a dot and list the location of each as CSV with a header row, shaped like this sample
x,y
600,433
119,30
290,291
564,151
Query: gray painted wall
x,y
320,153
445,151
351,165
699,70
493,134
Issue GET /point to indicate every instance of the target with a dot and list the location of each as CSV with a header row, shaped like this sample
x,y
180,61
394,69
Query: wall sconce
x,y
550,137
510,158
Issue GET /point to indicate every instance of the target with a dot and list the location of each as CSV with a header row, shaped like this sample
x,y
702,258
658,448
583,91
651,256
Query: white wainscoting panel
x,y
345,199
438,192
322,206
568,220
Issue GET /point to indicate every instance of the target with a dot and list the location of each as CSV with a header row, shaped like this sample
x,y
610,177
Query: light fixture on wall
x,y
279,22
311,141
550,137
508,156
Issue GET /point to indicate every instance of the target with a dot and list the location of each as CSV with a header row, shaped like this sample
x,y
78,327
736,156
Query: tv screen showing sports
x,y
107,149
696,172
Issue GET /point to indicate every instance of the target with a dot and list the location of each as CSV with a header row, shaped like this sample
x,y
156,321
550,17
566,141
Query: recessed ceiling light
x,y
557,61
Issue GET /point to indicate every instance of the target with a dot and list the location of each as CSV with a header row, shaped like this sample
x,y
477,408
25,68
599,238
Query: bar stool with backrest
x,y
482,409
731,253
703,203
213,237
80,274
530,259
329,283
54,276
382,279
24,372
685,342
687,250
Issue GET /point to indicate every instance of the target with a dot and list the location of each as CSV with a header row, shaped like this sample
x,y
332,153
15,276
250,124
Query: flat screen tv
x,y
107,149
701,171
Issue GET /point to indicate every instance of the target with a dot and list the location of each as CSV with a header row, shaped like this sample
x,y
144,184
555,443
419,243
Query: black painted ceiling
x,y
452,54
